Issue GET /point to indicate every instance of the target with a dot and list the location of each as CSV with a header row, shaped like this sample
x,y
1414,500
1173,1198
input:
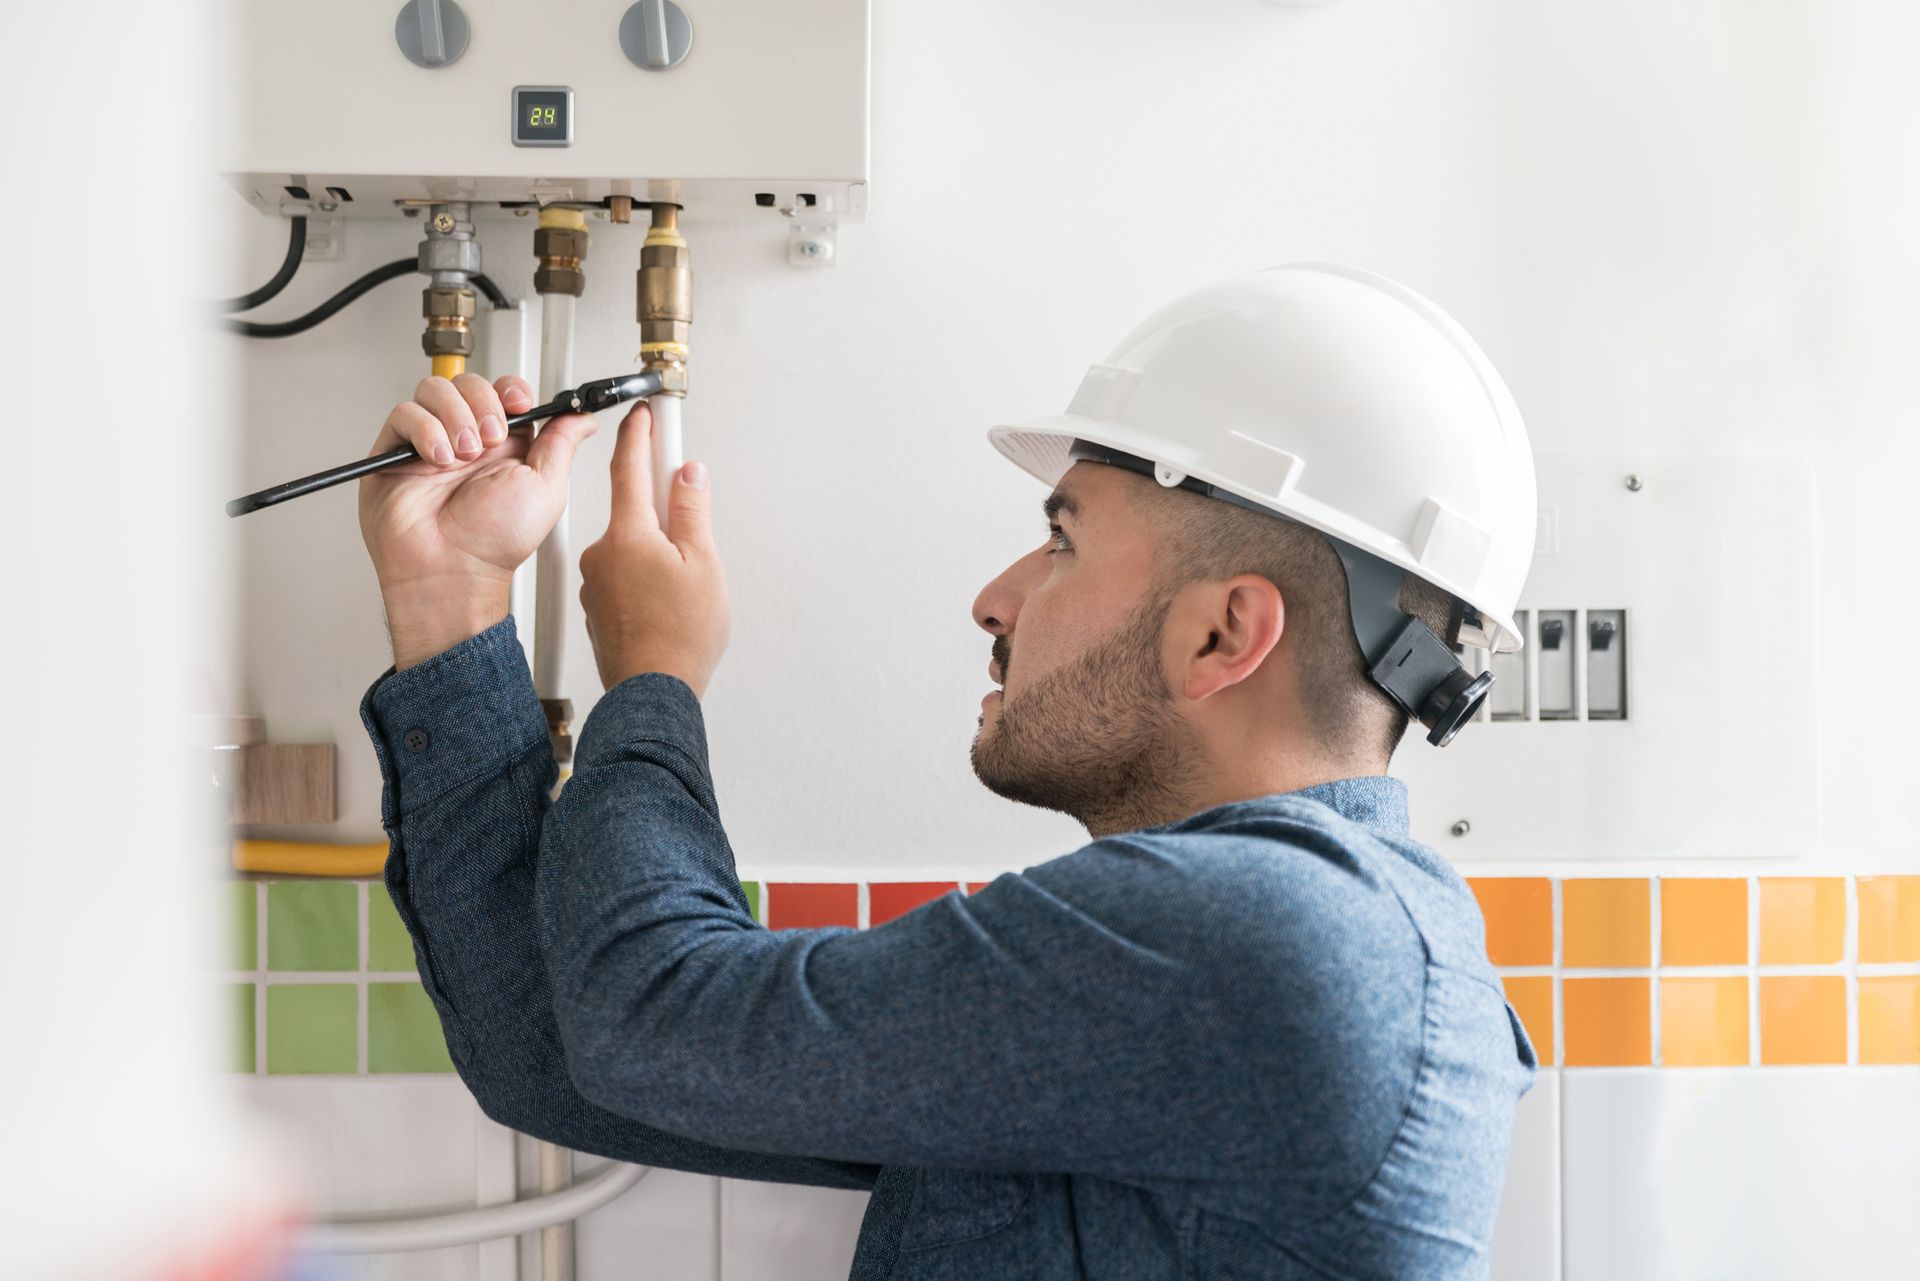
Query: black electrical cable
x,y
300,324
296,249
495,295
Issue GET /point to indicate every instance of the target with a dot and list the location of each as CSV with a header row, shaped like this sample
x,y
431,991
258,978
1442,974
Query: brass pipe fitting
x,y
664,303
450,258
559,727
560,245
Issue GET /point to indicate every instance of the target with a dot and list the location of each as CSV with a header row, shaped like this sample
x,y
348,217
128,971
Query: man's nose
x,y
998,605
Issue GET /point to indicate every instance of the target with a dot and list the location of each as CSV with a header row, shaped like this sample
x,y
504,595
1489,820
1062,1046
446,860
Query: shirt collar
x,y
1374,801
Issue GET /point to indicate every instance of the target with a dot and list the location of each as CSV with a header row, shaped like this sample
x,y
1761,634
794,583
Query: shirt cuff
x,y
462,713
652,706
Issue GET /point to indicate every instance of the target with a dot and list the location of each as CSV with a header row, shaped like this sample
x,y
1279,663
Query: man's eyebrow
x,y
1058,502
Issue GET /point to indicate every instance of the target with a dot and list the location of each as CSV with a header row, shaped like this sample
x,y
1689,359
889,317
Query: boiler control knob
x,y
431,33
655,34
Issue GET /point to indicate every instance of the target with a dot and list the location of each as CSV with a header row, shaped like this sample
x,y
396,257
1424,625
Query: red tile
x,y
799,904
974,887
888,899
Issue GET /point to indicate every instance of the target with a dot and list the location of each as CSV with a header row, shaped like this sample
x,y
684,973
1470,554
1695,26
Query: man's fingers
x,y
690,510
633,473
515,392
439,398
484,402
552,451
411,424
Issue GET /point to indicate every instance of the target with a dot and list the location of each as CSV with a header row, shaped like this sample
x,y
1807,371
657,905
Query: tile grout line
x,y
364,950
260,978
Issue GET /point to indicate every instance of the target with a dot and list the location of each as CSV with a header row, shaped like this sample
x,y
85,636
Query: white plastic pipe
x,y
505,334
555,560
666,448
464,1227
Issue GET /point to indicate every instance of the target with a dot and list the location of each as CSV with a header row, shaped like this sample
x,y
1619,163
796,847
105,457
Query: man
x,y
1248,1030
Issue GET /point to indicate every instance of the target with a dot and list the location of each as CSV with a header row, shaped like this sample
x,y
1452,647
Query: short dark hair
x,y
1204,539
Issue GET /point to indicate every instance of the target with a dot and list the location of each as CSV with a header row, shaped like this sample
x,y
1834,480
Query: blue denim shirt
x,y
1262,1041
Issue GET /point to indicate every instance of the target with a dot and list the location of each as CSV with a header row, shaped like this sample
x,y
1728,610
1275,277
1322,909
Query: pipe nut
x,y
559,280
442,301
560,242
447,341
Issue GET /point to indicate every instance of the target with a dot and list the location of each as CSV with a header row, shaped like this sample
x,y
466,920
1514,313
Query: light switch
x,y
1606,664
1556,664
1508,699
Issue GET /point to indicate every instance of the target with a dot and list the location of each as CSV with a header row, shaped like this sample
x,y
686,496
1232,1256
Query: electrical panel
x,y
1664,703
731,108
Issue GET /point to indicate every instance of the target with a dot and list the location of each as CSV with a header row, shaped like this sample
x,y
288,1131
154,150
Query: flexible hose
x,y
464,1227
495,294
300,324
296,249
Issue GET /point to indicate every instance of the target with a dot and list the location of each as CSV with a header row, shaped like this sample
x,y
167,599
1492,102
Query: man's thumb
x,y
689,507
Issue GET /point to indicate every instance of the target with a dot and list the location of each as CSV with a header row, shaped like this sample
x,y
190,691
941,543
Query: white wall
x,y
1675,229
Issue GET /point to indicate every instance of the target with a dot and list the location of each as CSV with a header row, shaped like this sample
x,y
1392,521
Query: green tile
x,y
403,1030
313,925
752,889
310,1028
240,926
239,1028
389,946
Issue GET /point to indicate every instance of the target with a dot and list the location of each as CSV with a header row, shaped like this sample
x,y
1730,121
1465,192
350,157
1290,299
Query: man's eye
x,y
1053,532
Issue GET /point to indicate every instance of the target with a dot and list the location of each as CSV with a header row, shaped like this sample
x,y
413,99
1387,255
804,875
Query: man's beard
x,y
1098,738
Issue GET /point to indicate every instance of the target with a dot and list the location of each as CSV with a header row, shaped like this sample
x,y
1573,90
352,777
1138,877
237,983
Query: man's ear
x,y
1225,631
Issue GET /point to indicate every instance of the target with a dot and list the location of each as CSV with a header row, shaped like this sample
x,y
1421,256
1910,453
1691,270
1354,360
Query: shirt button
x,y
416,740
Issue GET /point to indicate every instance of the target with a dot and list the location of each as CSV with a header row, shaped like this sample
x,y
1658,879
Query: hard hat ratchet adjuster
x,y
1404,658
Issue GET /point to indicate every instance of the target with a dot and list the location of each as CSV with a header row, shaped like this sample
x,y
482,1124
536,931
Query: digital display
x,y
542,117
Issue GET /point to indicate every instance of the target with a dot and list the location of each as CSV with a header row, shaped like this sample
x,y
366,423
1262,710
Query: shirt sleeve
x,y
1113,1012
467,771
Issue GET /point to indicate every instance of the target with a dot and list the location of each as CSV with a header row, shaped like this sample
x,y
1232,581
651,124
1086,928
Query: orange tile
x,y
1531,996
1703,921
1803,1018
1803,919
1609,1021
1519,914
974,887
1890,1018
795,904
1890,918
888,899
1608,921
1703,1022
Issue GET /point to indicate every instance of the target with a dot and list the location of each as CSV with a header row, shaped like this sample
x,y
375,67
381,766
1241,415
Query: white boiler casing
x,y
770,100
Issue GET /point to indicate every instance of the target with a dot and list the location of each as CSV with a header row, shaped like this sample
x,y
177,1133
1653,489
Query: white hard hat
x,y
1345,401
1335,397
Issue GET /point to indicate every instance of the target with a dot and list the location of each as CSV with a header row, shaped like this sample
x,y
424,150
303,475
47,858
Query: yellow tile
x,y
1607,922
1609,1021
1703,921
1703,1022
1519,915
1890,918
1803,919
1531,996
1803,1018
1889,1018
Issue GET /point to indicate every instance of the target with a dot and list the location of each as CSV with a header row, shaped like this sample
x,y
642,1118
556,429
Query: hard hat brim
x,y
1039,447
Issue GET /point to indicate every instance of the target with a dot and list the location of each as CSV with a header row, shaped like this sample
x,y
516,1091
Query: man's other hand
x,y
656,600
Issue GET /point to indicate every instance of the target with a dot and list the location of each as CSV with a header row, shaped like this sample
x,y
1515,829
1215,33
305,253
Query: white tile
x,y
663,1226
1526,1237
367,1145
788,1231
1759,1174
